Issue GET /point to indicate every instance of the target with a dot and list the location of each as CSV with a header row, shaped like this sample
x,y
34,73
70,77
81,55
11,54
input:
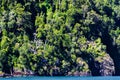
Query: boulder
x,y
106,65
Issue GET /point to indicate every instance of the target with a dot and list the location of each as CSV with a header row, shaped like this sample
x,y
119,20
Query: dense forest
x,y
60,37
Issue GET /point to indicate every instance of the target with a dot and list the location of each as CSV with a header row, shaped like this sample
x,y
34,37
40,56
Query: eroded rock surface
x,y
105,65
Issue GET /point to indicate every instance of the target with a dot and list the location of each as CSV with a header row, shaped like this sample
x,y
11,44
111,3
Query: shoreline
x,y
16,75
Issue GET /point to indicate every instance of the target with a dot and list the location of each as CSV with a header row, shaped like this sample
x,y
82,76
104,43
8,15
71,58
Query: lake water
x,y
61,78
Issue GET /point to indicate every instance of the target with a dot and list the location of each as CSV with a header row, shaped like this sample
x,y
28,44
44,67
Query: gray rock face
x,y
77,73
106,66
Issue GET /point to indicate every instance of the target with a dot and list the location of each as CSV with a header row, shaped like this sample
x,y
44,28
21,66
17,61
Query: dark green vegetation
x,y
44,35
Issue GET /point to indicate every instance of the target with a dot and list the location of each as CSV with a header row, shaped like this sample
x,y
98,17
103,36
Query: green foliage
x,y
48,35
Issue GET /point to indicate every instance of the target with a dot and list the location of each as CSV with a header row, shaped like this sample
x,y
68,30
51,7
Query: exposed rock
x,y
17,73
106,65
77,73
82,73
26,72
103,64
1,74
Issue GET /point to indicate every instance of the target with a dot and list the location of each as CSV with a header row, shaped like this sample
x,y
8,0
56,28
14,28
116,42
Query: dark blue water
x,y
62,78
